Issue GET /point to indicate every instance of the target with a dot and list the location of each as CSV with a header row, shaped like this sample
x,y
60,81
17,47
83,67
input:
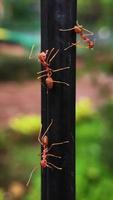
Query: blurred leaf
x,y
2,195
26,125
84,109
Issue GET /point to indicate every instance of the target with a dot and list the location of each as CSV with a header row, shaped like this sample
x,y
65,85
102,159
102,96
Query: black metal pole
x,y
59,103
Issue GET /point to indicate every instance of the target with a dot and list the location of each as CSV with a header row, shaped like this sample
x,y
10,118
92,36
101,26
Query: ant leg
x,y
90,33
42,71
54,166
69,29
61,82
50,54
69,46
53,56
60,69
49,166
30,55
73,44
41,76
33,170
47,129
55,144
84,29
52,155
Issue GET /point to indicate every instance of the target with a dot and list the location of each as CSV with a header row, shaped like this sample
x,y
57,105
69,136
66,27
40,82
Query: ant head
x,y
43,163
45,140
49,82
78,29
42,56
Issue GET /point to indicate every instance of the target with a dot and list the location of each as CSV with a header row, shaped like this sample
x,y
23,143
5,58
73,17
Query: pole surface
x,y
59,103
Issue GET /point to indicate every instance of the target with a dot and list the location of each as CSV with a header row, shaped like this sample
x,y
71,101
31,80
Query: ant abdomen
x,y
43,163
49,82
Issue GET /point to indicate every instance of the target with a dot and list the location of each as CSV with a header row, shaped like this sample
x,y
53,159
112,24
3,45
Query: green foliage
x,y
94,181
21,15
103,190
3,140
107,141
22,159
90,130
84,109
2,195
21,10
106,111
103,13
26,125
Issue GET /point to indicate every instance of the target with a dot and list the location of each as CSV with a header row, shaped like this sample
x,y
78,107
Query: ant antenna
x,y
53,56
33,170
48,128
69,29
73,44
50,54
30,55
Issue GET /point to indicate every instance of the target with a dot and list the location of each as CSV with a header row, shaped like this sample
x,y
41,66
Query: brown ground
x,y
98,87
18,99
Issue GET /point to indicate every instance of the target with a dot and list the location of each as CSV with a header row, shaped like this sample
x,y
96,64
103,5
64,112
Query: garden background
x,y
20,101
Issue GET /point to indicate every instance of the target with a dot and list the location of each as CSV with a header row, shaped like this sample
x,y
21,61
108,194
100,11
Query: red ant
x,y
79,29
43,140
45,59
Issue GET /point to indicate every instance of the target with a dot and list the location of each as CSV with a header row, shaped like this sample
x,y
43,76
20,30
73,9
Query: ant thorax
x,y
42,57
44,153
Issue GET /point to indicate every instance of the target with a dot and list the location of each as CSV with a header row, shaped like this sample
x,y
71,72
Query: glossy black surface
x,y
59,103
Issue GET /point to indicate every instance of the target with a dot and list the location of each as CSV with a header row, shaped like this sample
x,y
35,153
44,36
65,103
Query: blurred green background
x,y
94,108
20,101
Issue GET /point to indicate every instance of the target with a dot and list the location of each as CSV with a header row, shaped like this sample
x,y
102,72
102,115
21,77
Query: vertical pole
x,y
59,103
